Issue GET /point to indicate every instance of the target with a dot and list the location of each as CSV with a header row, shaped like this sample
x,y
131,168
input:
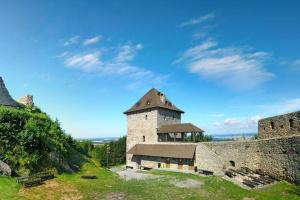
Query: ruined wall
x,y
282,125
26,100
217,156
280,157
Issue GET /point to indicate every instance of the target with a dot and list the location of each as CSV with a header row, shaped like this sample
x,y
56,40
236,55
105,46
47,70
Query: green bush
x,y
27,136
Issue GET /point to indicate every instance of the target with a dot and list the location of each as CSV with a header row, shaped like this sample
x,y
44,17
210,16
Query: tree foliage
x,y
27,136
112,153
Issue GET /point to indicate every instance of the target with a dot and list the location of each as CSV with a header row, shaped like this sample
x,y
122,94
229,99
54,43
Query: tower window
x,y
144,138
291,121
146,117
272,125
148,102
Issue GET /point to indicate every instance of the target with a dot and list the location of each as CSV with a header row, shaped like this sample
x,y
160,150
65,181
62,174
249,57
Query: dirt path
x,y
52,189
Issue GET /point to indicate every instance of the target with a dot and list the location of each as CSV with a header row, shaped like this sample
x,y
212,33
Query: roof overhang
x,y
164,150
179,128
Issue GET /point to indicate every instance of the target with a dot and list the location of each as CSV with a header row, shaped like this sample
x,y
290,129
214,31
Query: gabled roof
x,y
179,128
153,99
164,150
5,98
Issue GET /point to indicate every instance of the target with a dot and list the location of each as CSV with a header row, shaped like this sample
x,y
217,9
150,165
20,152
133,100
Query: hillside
x,y
30,141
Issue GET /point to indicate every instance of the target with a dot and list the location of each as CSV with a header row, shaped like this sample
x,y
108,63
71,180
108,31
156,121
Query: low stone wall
x,y
279,157
4,169
217,156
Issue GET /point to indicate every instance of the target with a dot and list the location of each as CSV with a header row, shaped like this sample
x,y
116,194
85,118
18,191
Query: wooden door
x,y
167,163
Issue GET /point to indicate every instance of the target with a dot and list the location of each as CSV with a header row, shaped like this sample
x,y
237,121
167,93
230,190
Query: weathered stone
x,y
26,100
5,169
278,126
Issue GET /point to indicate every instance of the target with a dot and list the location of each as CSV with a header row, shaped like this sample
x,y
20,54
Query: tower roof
x,y
5,98
153,99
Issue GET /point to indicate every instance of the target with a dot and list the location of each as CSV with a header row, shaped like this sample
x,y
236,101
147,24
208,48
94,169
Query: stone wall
x,y
282,125
217,156
26,100
168,117
279,157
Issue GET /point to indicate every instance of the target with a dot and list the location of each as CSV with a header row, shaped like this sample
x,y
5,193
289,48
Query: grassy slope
x,y
71,186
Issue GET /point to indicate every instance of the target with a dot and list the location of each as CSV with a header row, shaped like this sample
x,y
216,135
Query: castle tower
x,y
5,98
148,114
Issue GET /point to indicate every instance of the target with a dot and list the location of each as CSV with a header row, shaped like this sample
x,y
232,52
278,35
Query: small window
x,y
272,125
165,117
291,121
232,163
146,117
144,138
281,126
148,102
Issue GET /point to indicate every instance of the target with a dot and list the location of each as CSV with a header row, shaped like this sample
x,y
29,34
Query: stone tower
x,y
146,116
27,100
5,98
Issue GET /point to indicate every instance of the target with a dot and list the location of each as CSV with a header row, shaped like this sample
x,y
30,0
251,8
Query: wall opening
x,y
232,163
291,122
272,125
144,138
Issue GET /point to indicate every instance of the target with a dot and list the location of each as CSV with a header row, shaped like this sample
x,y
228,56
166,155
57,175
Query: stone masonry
x,y
26,100
282,125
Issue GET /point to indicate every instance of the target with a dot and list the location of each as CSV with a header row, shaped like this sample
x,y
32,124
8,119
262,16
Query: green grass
x,y
71,186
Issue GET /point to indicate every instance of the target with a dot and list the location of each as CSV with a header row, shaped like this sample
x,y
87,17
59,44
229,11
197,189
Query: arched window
x,y
272,125
291,121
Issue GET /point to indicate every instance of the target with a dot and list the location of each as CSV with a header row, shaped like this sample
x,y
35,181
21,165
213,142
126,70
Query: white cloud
x,y
91,41
198,20
86,61
236,67
235,125
115,61
72,40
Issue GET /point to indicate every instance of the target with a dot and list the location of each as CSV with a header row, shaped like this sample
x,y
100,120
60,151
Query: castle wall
x,y
277,156
217,156
281,157
278,126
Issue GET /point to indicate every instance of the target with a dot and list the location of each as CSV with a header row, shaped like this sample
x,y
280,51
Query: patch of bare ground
x,y
248,198
188,183
115,196
52,189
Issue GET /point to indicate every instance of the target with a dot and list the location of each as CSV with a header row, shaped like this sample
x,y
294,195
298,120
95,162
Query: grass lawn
x,y
108,184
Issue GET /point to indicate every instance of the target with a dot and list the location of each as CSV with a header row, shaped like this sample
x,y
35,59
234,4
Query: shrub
x,y
28,136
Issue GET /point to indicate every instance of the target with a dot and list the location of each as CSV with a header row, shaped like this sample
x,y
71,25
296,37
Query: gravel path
x,y
188,183
129,174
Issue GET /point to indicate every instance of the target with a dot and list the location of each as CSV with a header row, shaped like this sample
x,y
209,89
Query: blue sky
x,y
226,64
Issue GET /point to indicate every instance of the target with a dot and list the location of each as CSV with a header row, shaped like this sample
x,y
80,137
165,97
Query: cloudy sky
x,y
85,62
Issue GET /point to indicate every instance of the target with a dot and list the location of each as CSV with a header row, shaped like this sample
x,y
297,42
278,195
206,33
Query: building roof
x,y
5,98
153,99
179,128
164,150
